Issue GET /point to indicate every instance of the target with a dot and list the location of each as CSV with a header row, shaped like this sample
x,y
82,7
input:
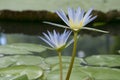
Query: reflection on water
x,y
87,45
3,39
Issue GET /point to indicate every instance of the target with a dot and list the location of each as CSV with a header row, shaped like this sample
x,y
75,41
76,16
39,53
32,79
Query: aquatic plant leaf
x,y
30,60
21,77
6,77
21,48
33,72
12,50
104,60
80,73
23,60
54,75
65,59
6,61
102,73
104,5
64,65
29,47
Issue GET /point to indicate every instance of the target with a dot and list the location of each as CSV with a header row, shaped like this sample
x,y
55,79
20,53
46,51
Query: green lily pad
x,y
55,75
80,73
6,61
100,73
33,72
31,60
23,77
64,65
28,60
23,60
6,77
104,60
100,5
12,50
65,59
29,47
21,48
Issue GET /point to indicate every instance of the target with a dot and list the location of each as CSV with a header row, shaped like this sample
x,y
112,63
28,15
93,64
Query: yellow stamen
x,y
75,26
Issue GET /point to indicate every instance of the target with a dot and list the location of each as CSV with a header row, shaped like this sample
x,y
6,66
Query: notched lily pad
x,y
104,60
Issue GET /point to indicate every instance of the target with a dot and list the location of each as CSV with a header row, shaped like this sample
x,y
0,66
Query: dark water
x,y
87,45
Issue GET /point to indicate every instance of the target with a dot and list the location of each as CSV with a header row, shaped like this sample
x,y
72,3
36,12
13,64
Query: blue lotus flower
x,y
56,40
76,19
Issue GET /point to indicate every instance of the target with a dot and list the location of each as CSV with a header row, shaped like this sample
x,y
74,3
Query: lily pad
x,y
6,61
12,50
23,60
65,59
31,60
80,73
23,77
29,47
33,72
55,75
104,60
21,48
64,65
100,73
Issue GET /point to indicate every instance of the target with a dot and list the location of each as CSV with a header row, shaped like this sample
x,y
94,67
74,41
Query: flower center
x,y
75,25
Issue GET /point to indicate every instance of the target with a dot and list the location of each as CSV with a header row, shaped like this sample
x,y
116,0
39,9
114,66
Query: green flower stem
x,y
73,55
60,64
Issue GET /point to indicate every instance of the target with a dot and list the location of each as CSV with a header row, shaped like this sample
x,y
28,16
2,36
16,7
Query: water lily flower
x,y
76,19
56,40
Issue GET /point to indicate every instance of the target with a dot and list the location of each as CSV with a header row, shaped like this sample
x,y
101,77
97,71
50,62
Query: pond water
x,y
87,45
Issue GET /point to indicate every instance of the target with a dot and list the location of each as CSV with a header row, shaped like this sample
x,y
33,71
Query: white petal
x,y
71,14
88,13
67,36
59,25
62,15
47,42
55,36
80,17
47,47
93,29
77,15
52,40
89,20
